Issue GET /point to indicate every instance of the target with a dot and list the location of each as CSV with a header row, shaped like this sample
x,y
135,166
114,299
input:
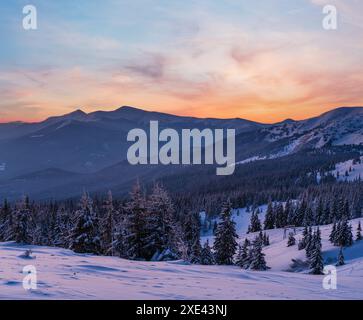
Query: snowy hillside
x,y
342,126
349,170
62,274
278,255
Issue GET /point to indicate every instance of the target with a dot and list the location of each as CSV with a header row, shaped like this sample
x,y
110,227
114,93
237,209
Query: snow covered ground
x,y
62,274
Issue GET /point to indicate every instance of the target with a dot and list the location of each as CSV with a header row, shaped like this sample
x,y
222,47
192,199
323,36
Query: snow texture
x,y
63,274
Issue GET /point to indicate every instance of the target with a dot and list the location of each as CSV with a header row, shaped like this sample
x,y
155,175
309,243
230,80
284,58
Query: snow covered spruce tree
x,y
255,224
20,228
291,241
135,236
225,243
340,261
315,256
341,234
191,231
310,243
359,232
108,225
266,239
84,237
5,222
269,217
258,261
196,252
243,257
333,233
207,256
307,234
280,216
162,236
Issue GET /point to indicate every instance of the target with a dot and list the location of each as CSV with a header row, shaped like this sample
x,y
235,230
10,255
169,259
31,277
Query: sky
x,y
260,60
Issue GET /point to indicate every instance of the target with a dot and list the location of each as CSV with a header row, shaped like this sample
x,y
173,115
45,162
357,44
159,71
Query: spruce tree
x,y
255,224
206,256
333,233
239,258
269,217
291,241
196,252
225,243
310,243
316,258
108,226
343,236
161,227
319,214
6,222
258,261
266,240
341,261
243,257
281,220
136,227
359,232
20,232
84,236
191,230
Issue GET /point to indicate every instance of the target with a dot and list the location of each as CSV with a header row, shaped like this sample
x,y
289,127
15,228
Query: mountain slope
x,y
62,274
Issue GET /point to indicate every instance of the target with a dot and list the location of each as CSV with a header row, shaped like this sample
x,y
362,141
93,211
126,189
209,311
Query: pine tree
x,y
359,232
319,214
343,236
316,258
310,243
258,261
300,214
255,225
341,261
6,222
196,252
333,233
269,217
288,213
266,240
206,256
135,235
243,257
239,258
191,230
108,226
281,220
161,228
327,215
20,232
225,243
84,235
308,218
291,241
305,239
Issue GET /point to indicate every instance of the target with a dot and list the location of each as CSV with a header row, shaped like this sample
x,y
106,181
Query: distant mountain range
x,y
60,156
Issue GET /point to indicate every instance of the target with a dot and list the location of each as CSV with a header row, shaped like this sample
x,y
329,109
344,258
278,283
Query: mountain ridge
x,y
80,114
92,148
